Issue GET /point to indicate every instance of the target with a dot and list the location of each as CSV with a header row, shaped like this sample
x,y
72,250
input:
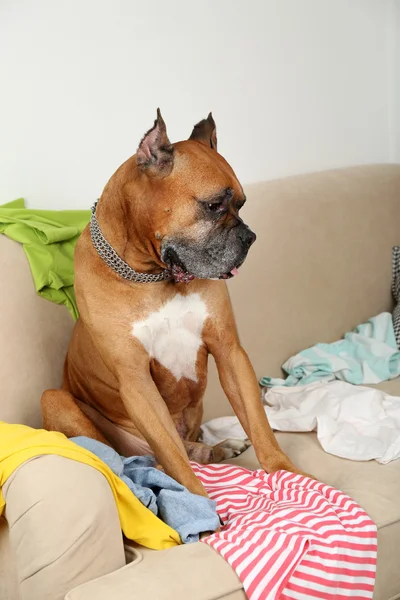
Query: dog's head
x,y
189,200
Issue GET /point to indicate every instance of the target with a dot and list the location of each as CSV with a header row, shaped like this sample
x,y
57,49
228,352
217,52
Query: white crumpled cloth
x,y
353,422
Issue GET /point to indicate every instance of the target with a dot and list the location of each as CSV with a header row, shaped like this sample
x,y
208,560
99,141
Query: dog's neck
x,y
122,228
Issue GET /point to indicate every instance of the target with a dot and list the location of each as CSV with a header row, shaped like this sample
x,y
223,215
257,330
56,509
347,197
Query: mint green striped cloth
x,y
366,355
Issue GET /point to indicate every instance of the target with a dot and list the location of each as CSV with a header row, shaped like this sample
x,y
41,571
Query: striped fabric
x,y
396,291
290,537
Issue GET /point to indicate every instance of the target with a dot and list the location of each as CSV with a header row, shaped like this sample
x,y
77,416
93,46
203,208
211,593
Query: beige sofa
x,y
321,265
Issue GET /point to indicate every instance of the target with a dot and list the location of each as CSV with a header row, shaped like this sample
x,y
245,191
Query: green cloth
x,y
48,238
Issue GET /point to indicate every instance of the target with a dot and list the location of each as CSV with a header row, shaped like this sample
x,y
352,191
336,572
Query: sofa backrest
x,y
33,339
321,265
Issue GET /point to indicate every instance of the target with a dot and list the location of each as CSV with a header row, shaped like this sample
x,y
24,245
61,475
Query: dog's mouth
x,y
179,273
231,274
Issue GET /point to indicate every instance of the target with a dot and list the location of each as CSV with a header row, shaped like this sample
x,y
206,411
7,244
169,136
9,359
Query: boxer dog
x,y
150,282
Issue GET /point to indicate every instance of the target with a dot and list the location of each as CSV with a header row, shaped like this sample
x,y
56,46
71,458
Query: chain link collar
x,y
115,262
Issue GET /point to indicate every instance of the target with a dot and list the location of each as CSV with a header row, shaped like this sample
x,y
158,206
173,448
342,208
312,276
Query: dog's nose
x,y
248,237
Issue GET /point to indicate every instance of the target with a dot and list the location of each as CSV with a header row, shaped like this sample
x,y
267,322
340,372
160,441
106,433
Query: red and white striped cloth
x,y
290,537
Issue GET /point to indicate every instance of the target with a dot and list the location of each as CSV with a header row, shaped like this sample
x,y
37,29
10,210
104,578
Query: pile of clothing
x,y
353,422
283,534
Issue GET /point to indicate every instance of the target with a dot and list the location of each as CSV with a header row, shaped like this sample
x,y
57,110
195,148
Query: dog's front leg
x,y
150,415
240,385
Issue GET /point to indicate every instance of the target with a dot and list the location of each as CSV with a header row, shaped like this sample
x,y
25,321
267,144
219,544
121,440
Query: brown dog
x,y
153,304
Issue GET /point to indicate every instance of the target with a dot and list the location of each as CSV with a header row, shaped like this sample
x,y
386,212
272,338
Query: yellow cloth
x,y
19,443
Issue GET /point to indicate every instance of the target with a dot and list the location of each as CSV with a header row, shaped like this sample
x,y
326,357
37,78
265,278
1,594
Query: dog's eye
x,y
215,206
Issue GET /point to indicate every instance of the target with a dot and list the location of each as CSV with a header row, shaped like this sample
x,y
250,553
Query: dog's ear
x,y
155,154
206,132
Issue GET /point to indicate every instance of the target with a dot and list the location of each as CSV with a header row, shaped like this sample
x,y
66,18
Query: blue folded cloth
x,y
366,355
187,513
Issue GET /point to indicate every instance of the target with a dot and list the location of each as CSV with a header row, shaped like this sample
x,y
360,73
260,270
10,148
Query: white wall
x,y
394,80
294,85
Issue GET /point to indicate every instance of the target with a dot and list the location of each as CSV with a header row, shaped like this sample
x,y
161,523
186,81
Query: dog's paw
x,y
206,534
230,448
304,474
292,469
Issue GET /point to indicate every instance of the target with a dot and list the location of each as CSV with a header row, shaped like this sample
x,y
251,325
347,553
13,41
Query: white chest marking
x,y
172,335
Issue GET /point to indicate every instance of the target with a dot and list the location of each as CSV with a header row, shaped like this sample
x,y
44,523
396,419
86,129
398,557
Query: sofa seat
x,y
375,487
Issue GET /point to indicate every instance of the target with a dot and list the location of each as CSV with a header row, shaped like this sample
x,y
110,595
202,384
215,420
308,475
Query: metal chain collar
x,y
115,262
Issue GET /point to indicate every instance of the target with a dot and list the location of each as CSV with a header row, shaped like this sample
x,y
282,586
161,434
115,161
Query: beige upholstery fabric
x,y
34,335
391,387
63,526
194,571
9,589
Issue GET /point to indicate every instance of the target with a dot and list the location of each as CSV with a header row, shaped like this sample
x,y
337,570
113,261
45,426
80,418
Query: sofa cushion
x,y
391,387
35,336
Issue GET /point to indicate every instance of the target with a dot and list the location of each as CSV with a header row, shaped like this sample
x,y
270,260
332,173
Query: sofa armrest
x,y
193,571
63,526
